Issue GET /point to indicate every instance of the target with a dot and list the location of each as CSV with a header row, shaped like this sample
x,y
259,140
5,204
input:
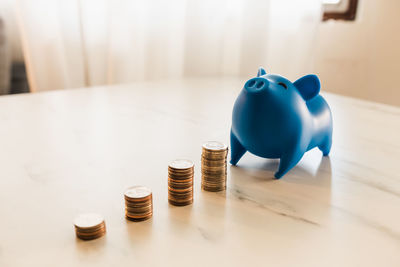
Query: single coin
x,y
179,186
180,197
220,165
180,194
181,164
101,230
213,169
135,206
137,192
213,173
180,175
138,212
213,189
180,203
181,178
215,145
183,170
180,190
90,237
91,230
213,184
139,201
134,219
214,157
88,220
137,209
214,154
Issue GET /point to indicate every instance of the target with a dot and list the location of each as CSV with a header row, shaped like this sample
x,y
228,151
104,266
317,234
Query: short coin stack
x,y
138,203
213,166
180,182
89,226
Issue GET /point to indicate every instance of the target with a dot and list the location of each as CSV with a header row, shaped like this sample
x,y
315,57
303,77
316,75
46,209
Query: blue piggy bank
x,y
274,118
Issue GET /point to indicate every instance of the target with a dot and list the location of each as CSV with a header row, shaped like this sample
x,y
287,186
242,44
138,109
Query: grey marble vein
x,y
391,233
243,197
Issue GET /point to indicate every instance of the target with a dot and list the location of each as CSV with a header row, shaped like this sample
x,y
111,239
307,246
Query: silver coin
x,y
181,164
88,220
137,192
215,145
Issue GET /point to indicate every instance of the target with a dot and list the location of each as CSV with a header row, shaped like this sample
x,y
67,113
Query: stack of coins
x,y
138,203
180,182
89,226
213,166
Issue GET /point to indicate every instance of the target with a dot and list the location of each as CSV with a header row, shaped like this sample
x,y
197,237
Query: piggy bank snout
x,y
256,84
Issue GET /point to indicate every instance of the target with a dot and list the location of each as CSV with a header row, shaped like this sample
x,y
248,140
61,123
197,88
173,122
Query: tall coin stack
x,y
213,166
180,182
89,226
138,203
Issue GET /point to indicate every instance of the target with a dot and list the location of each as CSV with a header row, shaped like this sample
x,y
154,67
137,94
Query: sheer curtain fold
x,y
93,42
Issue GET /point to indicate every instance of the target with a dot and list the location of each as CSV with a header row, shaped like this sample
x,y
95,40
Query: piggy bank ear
x,y
261,72
308,86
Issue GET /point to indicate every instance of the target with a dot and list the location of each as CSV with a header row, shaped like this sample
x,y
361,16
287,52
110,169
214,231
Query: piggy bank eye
x,y
283,85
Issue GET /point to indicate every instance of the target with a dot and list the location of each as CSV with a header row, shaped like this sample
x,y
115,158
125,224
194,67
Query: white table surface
x,y
72,151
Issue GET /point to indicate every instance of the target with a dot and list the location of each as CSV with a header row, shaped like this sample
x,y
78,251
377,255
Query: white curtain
x,y
77,43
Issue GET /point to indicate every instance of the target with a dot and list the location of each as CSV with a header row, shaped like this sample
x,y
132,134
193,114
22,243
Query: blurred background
x,y
353,45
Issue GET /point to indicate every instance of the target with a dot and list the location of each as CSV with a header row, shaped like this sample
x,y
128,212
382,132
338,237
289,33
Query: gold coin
x,y
90,237
101,230
181,178
136,204
214,166
138,210
180,198
138,217
180,181
188,194
181,173
180,186
214,155
213,189
90,230
180,203
210,184
205,182
180,190
217,164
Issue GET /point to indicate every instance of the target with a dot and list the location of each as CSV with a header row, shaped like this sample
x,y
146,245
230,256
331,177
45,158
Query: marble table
x,y
72,151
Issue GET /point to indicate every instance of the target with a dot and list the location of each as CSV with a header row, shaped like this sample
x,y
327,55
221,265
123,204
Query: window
x,y
340,9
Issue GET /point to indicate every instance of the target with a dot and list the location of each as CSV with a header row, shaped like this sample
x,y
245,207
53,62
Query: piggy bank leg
x,y
237,150
325,147
288,161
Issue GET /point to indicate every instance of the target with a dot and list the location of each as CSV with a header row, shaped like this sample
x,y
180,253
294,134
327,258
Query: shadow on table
x,y
298,195
264,169
90,248
139,232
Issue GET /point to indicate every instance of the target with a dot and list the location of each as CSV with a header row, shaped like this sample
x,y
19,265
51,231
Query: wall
x,y
359,59
362,58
